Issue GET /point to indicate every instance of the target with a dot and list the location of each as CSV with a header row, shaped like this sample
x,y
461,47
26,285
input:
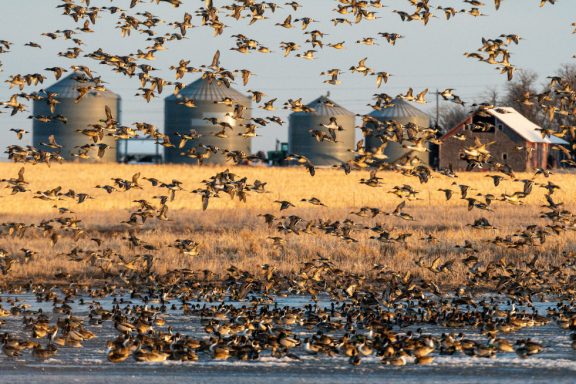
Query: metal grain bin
x,y
90,109
302,142
209,97
404,113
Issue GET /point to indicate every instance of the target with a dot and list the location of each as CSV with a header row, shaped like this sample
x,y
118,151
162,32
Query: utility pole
x,y
437,108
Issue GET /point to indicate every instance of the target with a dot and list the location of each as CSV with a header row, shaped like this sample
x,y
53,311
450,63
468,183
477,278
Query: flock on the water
x,y
381,313
189,315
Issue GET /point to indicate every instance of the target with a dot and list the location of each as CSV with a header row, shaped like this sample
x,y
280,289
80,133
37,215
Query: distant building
x,y
78,114
218,121
517,141
301,138
402,112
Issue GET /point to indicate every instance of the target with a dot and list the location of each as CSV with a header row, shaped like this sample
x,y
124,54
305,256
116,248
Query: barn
x,y
517,141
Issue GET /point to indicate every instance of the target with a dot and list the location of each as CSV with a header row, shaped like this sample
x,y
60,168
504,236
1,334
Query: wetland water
x,y
89,364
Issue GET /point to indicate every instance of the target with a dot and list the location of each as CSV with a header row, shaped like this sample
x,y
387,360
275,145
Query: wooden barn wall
x,y
505,142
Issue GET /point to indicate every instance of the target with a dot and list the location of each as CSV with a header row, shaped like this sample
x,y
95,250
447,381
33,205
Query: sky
x,y
429,56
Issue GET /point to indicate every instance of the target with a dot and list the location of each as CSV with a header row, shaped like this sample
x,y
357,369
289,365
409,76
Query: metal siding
x,y
300,141
179,118
89,110
403,113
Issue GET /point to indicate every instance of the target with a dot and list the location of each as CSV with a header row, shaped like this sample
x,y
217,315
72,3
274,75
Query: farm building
x,y
79,115
402,112
516,141
302,141
213,120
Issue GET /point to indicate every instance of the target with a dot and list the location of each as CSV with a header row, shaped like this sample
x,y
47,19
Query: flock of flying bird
x,y
377,314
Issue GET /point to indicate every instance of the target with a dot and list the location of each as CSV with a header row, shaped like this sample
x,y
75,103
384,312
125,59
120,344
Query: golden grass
x,y
230,233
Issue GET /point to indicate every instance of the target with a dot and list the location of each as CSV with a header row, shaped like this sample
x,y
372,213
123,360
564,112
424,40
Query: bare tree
x,y
562,101
450,116
492,96
561,96
518,94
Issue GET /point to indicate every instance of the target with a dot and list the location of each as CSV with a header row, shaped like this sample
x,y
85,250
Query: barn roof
x,y
518,123
522,126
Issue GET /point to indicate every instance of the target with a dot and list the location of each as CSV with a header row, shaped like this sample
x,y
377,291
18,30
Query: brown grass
x,y
230,233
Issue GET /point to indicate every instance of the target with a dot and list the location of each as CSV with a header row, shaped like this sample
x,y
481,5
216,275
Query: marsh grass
x,y
230,233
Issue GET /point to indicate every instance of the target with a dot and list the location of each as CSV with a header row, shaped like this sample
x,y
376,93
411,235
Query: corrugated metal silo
x,y
90,109
302,142
404,113
210,100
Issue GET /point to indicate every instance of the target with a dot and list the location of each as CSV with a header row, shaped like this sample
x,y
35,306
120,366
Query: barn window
x,y
499,127
504,156
486,124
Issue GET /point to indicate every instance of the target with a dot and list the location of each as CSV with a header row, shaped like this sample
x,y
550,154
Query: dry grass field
x,y
230,233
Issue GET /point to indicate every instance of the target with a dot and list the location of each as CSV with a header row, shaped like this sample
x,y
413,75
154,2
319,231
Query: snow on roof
x,y
524,127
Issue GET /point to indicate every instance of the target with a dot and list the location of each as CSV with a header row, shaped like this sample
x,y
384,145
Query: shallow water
x,y
556,364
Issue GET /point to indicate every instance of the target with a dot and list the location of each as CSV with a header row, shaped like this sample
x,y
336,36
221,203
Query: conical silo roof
x,y
68,86
208,90
400,110
323,106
